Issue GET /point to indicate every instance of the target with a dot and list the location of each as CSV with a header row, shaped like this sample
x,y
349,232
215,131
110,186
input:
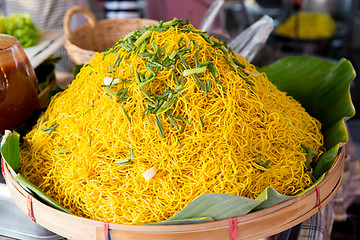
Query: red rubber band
x,y
318,197
2,166
233,228
30,208
106,231
346,151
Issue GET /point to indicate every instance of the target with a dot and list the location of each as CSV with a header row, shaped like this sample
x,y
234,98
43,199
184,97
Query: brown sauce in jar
x,y
18,85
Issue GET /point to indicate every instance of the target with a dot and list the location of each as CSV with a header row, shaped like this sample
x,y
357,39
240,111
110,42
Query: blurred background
x,y
315,35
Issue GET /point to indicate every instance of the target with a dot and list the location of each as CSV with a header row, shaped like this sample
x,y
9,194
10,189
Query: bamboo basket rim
x,y
77,53
272,220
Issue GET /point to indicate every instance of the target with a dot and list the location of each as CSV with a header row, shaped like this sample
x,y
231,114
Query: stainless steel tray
x,y
15,224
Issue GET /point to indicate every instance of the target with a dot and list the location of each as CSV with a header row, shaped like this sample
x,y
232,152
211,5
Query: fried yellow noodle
x,y
220,128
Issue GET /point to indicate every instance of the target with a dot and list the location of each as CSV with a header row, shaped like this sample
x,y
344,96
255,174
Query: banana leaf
x,y
322,87
10,152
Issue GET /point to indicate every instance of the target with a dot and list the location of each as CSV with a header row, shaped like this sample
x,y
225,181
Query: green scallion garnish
x,y
126,114
173,121
159,126
201,121
50,129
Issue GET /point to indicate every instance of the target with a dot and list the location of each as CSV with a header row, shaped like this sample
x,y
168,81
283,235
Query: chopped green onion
x,y
110,90
213,70
131,154
129,35
173,54
239,63
123,162
196,45
254,74
196,61
215,54
223,49
173,121
143,37
231,59
247,81
118,60
207,87
146,95
138,77
146,55
188,72
201,121
158,124
124,80
63,151
130,70
207,39
175,78
181,146
111,81
131,45
184,120
142,48
122,97
180,40
186,65
90,141
150,70
158,104
125,114
50,129
127,160
144,83
204,63
171,23
260,163
123,45
198,81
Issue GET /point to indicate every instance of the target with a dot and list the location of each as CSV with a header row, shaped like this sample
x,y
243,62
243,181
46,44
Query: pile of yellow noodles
x,y
308,25
73,152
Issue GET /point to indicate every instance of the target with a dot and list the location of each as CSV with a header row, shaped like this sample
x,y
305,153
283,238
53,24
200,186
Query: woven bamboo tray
x,y
96,36
271,220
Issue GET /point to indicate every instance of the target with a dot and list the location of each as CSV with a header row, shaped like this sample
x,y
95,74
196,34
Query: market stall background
x,y
235,16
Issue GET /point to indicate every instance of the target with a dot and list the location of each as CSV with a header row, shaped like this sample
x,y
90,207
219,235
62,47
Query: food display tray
x,y
271,220
15,224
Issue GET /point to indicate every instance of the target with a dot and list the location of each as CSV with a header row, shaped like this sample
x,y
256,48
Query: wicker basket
x,y
96,36
255,225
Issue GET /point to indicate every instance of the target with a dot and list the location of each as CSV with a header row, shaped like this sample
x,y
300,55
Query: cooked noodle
x,y
89,151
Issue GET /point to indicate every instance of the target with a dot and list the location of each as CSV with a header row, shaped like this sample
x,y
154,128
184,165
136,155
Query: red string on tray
x,y
318,197
233,228
30,208
106,231
346,151
2,166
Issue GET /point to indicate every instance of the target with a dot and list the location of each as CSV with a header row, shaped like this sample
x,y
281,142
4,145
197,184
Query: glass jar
x,y
18,84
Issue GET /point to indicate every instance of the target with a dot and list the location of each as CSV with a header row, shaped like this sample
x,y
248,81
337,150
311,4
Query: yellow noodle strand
x,y
76,164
